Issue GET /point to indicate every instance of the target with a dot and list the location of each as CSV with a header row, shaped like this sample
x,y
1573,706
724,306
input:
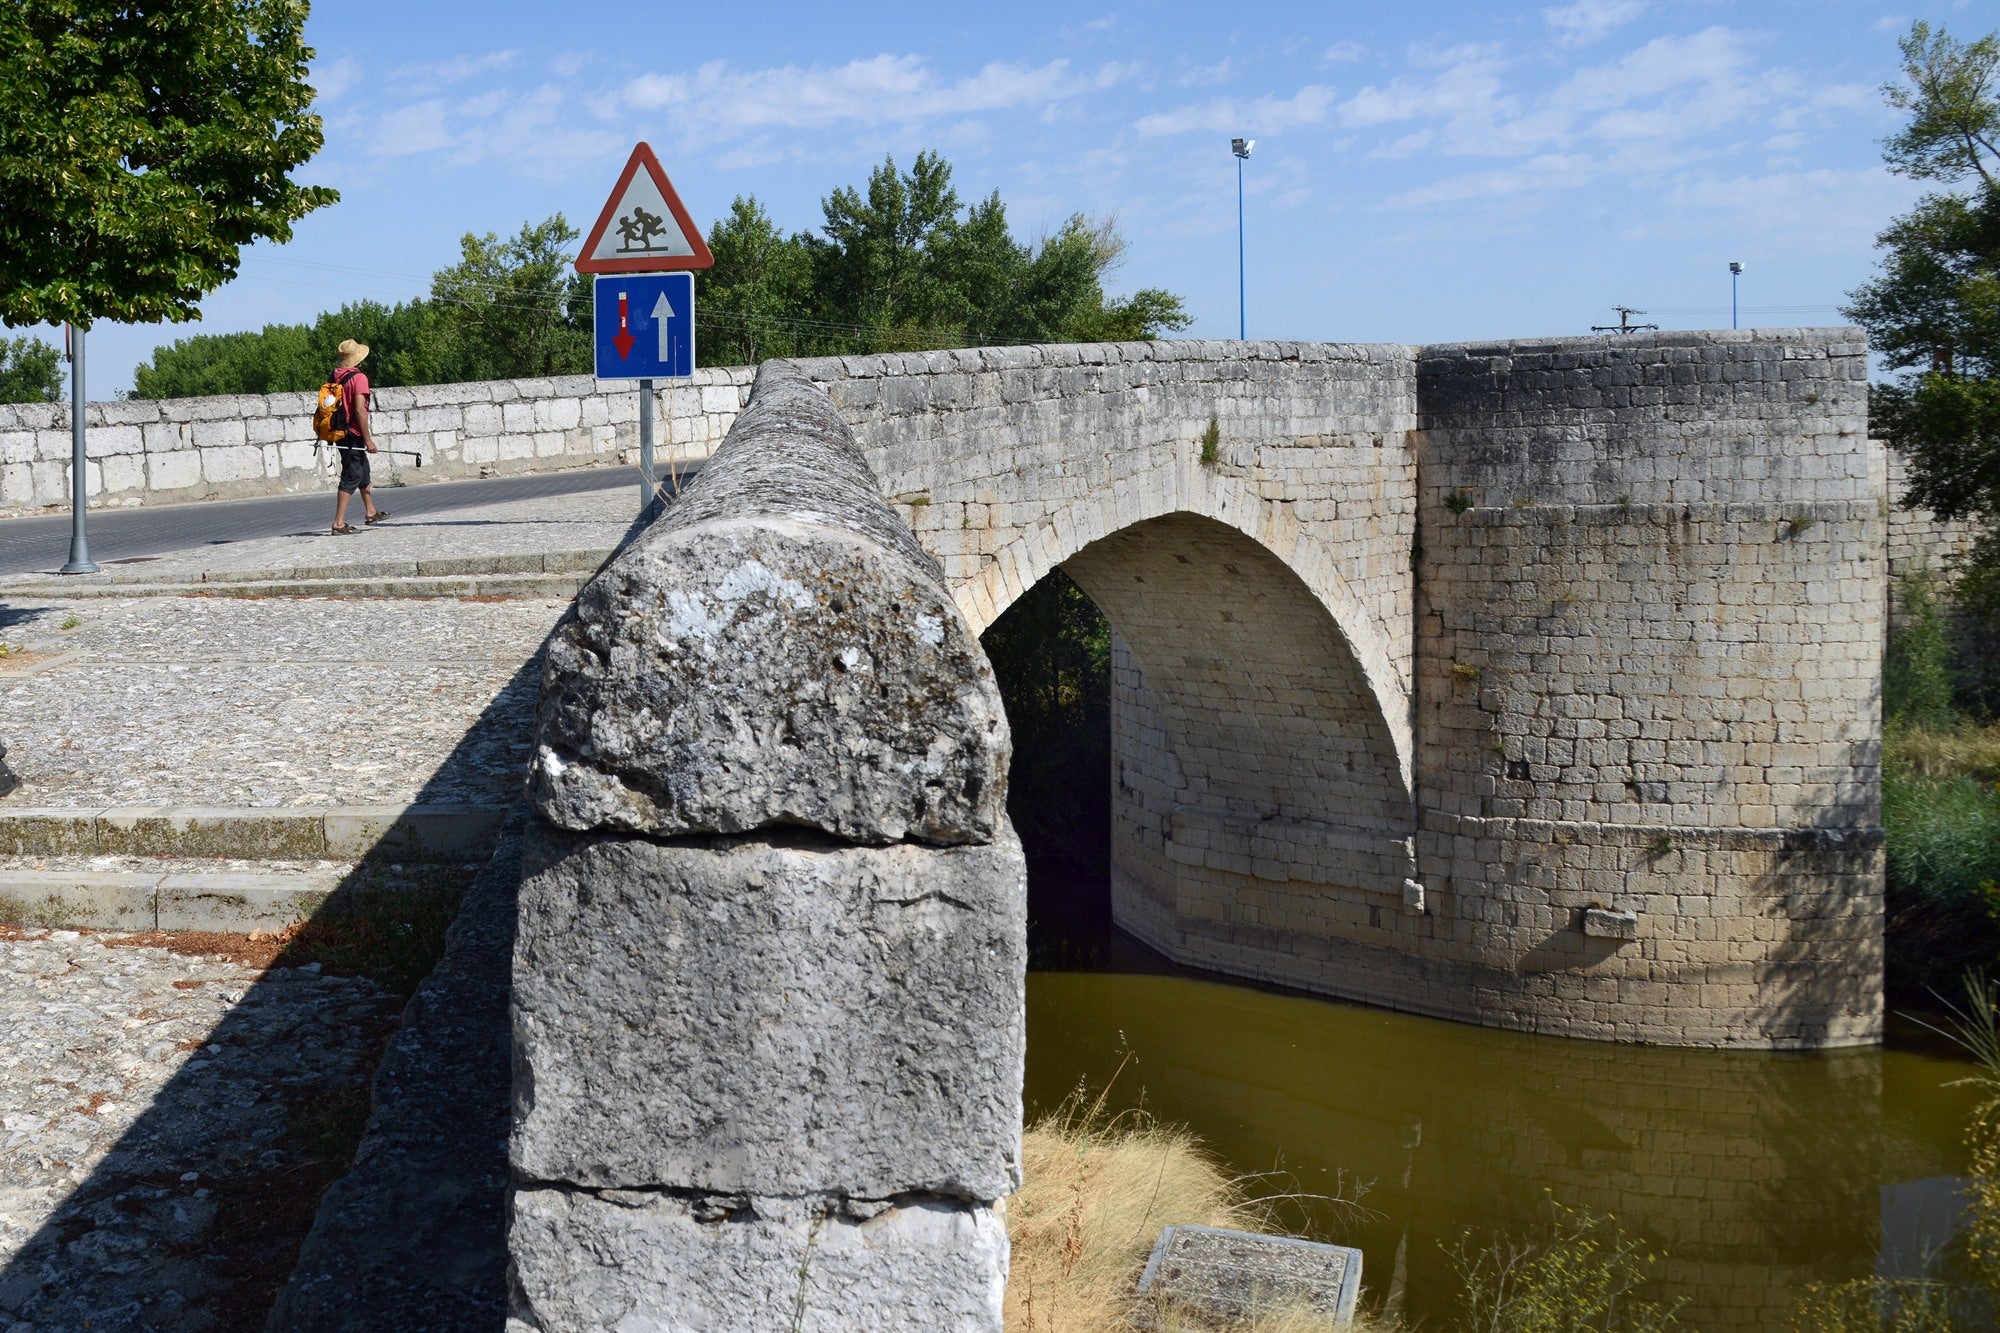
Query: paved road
x,y
41,544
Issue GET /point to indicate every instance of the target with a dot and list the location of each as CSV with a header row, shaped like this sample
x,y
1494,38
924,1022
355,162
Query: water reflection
x,y
1755,1173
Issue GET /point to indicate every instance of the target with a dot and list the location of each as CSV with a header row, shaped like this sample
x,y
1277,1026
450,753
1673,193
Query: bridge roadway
x,y
40,543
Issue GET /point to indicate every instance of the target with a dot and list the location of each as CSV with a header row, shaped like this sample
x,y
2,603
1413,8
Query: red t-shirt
x,y
354,387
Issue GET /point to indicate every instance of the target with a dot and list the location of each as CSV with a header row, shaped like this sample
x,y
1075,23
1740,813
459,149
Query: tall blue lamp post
x,y
1240,147
1735,272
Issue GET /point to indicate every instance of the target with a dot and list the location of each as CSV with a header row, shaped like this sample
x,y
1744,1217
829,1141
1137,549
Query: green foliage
x,y
510,309
1051,653
30,371
1934,310
143,143
902,264
1954,123
1917,670
1576,1272
1211,443
1458,501
1943,839
507,310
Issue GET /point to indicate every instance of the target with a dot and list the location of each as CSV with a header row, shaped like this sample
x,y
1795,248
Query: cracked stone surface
x,y
776,650
145,1103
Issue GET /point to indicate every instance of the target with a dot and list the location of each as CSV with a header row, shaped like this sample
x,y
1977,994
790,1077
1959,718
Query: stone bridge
x,y
1533,684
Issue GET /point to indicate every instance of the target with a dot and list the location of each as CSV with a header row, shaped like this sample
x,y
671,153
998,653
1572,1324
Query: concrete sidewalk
x,y
559,535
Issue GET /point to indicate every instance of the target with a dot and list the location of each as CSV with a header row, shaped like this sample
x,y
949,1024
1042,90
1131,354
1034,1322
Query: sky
x,y
1423,172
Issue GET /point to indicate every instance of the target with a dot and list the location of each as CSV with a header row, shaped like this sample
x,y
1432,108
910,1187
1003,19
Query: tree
x,y
30,371
143,143
1934,311
901,264
512,309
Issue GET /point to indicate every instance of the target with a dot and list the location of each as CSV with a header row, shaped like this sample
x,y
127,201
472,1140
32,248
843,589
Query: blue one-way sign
x,y
645,326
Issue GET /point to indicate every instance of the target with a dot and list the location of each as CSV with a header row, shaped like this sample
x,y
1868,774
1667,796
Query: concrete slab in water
x,y
1232,1273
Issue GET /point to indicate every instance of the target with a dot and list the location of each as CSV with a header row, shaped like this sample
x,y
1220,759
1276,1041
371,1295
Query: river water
x,y
1754,1173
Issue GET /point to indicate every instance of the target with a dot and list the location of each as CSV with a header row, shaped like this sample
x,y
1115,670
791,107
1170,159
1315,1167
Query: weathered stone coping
x,y
417,832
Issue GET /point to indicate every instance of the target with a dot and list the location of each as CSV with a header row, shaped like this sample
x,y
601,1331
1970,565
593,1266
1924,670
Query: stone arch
x,y
1189,489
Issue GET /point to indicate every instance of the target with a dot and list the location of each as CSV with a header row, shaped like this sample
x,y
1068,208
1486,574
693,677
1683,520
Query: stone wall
x,y
146,451
1532,684
768,999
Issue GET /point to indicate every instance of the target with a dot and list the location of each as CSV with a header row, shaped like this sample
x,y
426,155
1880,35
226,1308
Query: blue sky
x,y
1423,172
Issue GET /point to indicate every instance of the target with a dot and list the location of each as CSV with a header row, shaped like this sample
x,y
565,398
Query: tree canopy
x,y
901,264
143,143
30,371
1934,310
898,265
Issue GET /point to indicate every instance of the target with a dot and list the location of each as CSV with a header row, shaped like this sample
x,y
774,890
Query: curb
x,y
336,833
145,900
504,586
561,573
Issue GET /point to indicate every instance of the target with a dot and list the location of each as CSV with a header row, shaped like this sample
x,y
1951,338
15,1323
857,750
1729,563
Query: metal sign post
x,y
79,503
643,325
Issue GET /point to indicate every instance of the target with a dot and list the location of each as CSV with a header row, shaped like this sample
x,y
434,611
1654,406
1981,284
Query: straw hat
x,y
351,353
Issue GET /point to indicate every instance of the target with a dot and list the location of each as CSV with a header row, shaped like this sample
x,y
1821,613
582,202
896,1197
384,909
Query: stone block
x,y
776,651
219,434
241,463
631,1260
173,472
124,473
783,1016
1604,923
1231,1275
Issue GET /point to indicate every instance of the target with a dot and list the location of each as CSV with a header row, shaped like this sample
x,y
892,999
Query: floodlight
x,y
1242,147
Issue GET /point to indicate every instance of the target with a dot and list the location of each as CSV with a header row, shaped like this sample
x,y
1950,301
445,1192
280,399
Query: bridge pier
x,y
768,998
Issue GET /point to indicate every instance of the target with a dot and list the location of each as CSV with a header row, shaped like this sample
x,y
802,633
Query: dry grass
x,y
1966,750
1096,1191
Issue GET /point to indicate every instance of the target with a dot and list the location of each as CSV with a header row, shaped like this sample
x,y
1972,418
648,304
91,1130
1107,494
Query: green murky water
x,y
1755,1173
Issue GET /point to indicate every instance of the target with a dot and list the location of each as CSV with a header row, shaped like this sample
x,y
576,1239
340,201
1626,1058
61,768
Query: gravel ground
x,y
163,701
163,1122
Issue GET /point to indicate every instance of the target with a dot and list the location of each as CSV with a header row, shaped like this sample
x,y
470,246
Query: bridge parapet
x,y
768,981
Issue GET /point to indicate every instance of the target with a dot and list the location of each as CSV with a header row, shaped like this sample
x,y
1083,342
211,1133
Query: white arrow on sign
x,y
662,312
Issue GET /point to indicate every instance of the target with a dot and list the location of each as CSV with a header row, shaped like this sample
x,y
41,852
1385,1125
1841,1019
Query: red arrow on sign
x,y
623,342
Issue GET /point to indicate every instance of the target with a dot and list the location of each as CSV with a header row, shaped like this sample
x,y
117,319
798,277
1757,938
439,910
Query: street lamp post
x,y
1241,147
1735,272
79,540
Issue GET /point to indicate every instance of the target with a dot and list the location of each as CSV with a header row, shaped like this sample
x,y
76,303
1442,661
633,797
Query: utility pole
x,y
79,503
1241,147
1735,272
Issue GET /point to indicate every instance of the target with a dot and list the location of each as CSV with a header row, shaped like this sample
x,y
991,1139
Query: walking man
x,y
358,443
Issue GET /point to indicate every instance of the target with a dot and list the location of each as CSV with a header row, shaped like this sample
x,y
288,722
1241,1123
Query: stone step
x,y
527,562
506,586
341,833
136,900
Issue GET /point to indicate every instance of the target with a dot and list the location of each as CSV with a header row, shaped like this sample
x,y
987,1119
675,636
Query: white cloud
x,y
430,75
1310,105
334,77
1344,52
718,98
1586,21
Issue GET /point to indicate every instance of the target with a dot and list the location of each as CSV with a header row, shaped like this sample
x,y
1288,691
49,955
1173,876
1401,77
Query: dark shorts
x,y
353,470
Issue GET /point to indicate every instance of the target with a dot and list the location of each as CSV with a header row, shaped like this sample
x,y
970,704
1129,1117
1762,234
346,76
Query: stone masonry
x,y
1534,684
146,451
768,1000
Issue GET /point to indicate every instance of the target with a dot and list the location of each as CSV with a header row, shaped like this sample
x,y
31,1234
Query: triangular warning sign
x,y
644,227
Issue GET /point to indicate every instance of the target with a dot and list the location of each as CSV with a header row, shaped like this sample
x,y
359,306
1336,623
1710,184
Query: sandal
x,y
376,517
345,530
